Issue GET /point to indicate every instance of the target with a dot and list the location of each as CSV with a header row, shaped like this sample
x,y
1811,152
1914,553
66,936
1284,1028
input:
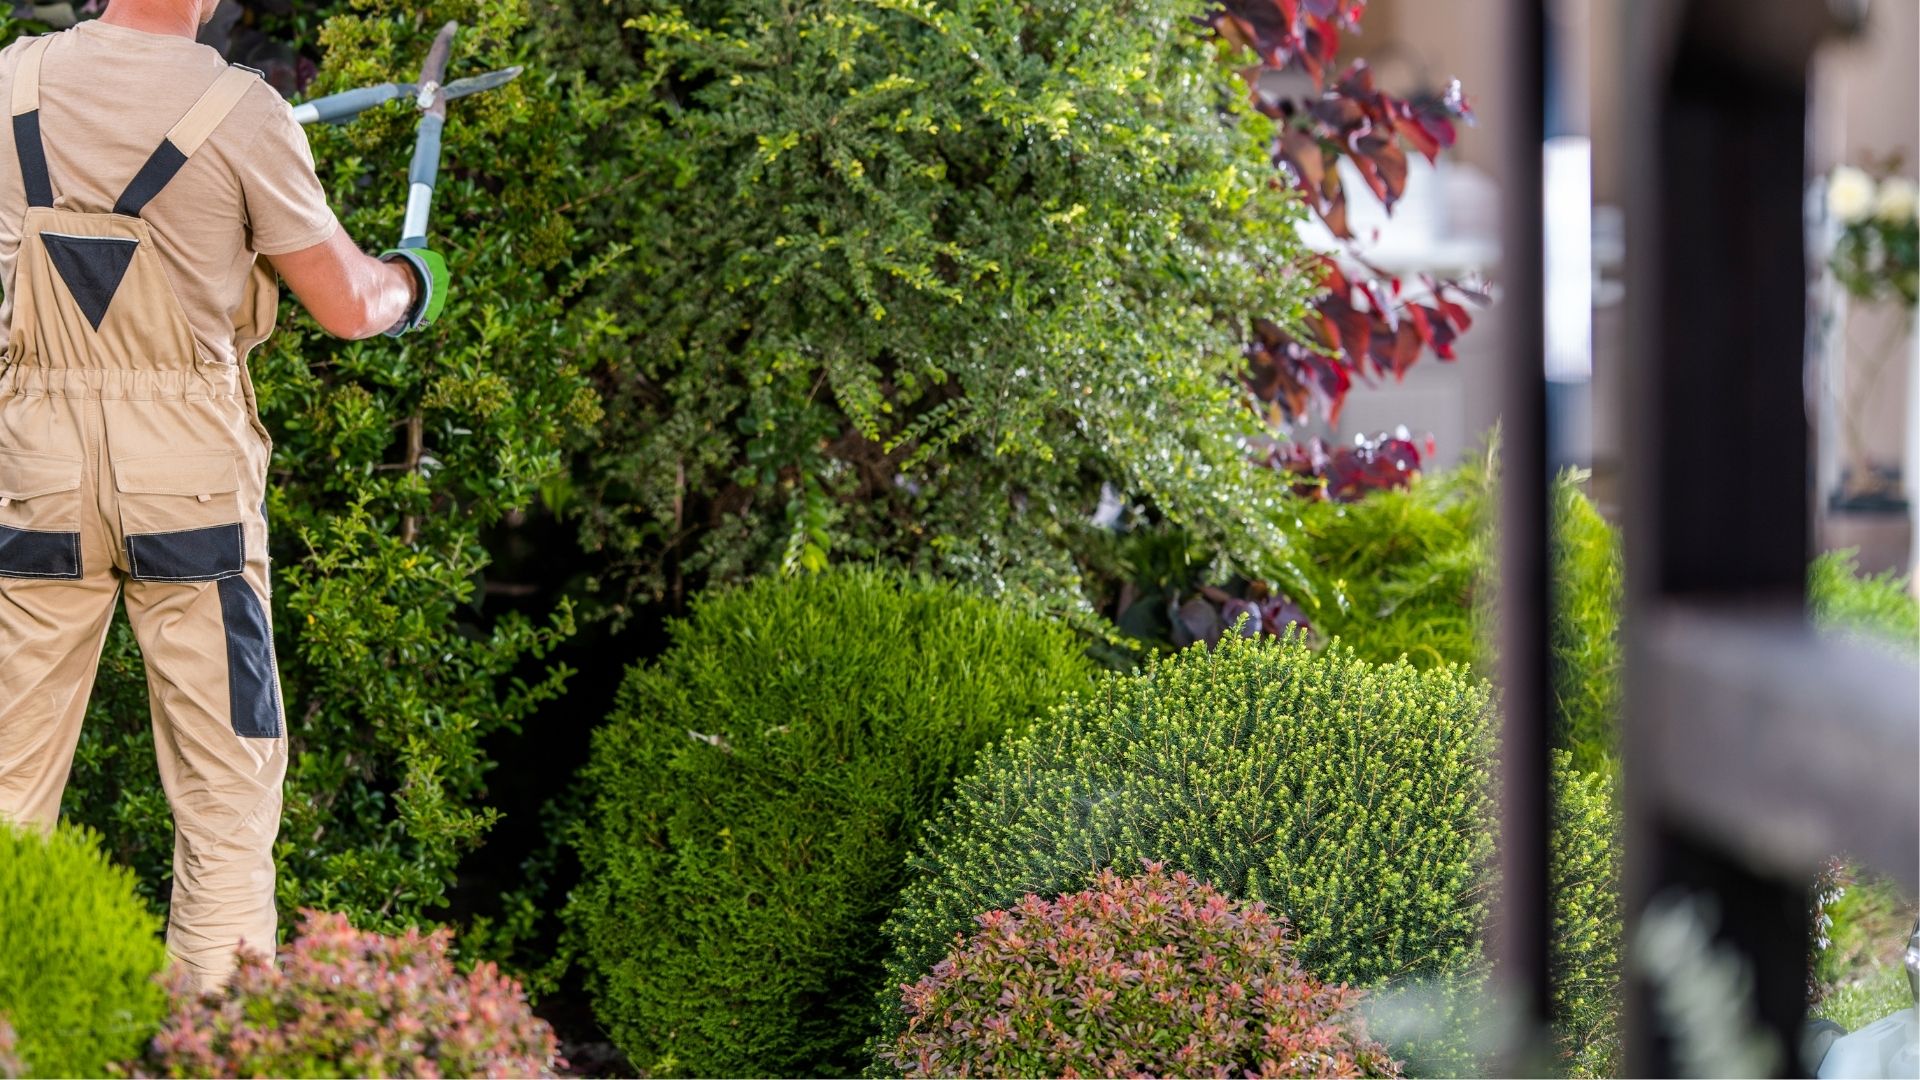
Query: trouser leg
x,y
222,755
57,592
189,477
51,634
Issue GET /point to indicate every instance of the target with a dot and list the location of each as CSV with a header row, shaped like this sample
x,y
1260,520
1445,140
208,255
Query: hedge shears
x,y
430,96
347,104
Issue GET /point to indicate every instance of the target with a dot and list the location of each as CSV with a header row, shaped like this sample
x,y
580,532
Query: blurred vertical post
x,y
1524,920
1728,804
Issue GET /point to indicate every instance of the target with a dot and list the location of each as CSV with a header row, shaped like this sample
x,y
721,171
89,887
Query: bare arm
x,y
349,293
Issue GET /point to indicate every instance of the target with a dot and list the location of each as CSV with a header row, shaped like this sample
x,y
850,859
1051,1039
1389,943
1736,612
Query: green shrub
x,y
753,797
1152,975
1352,798
921,278
79,954
1408,573
1589,591
397,463
1402,572
1880,607
346,1002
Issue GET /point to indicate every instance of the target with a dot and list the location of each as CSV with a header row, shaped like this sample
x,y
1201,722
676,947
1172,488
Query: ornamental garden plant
x,y
922,280
342,1002
1154,974
751,801
755,301
80,956
1352,797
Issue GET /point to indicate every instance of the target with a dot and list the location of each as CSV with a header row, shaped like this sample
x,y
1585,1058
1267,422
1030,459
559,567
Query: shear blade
x,y
474,84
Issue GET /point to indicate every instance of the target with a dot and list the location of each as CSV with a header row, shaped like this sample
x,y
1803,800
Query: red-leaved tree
x,y
1363,326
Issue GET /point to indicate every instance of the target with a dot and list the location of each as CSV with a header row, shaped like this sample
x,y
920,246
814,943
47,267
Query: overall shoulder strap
x,y
26,123
184,138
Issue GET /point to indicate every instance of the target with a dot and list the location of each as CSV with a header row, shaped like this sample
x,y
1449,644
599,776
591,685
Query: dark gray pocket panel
x,y
252,682
217,551
30,553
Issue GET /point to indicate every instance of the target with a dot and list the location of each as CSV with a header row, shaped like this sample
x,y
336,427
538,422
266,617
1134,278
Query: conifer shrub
x,y
1155,975
1354,798
343,1002
753,796
80,955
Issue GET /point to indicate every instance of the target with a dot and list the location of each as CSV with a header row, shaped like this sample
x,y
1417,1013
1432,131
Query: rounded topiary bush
x,y
346,1002
1354,799
753,797
79,954
1155,975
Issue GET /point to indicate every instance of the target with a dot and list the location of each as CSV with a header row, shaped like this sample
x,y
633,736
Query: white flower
x,y
1898,196
1850,195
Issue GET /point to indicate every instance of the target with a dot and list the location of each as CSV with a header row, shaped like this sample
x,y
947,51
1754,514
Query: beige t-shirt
x,y
108,94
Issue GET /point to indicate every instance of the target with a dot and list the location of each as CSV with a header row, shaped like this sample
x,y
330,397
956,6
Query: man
x,y
139,179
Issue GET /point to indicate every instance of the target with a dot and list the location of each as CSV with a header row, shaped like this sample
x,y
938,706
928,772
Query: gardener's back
x,y
140,179
108,96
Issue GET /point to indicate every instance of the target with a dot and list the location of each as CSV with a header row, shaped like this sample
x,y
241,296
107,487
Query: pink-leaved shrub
x,y
347,1002
1158,974
10,1065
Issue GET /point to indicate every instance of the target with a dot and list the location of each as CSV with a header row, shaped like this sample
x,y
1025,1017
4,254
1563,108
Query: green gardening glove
x,y
430,273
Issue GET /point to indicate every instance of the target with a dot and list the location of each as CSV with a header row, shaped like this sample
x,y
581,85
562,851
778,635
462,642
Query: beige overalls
x,y
128,462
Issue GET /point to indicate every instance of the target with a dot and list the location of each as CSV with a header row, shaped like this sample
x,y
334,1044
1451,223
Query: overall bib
x,y
129,463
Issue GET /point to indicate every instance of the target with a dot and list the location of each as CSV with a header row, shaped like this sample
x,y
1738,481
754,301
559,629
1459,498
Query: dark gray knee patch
x,y
208,554
31,553
252,675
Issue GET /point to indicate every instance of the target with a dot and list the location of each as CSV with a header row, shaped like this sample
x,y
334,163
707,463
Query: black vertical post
x,y
1526,914
1719,496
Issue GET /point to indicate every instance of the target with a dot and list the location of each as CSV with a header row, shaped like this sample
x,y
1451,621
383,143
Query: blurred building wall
x,y
1866,106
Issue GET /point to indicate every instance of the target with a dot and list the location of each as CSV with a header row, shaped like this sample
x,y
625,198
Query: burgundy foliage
x,y
1362,327
1212,612
1336,473
1155,975
1350,473
344,1002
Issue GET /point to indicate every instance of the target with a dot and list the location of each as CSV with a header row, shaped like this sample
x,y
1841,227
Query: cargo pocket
x,y
253,675
180,514
39,515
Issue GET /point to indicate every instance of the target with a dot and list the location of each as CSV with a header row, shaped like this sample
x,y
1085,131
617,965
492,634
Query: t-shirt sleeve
x,y
286,206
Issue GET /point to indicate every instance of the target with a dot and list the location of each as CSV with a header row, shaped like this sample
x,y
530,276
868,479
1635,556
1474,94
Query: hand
x,y
431,282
